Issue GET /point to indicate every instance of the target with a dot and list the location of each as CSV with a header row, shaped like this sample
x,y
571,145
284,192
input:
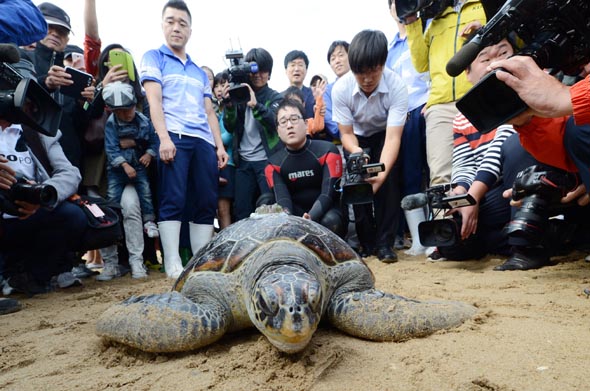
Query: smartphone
x,y
118,57
81,80
490,103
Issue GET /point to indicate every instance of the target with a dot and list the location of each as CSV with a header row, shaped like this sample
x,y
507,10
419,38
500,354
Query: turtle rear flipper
x,y
167,322
379,316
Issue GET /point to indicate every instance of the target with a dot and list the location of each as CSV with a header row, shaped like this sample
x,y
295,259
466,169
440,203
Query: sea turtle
x,y
281,274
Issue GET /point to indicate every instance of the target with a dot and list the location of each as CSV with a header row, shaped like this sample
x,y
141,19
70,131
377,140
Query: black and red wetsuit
x,y
303,180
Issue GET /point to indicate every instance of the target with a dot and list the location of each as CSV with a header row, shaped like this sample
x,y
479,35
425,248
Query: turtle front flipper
x,y
379,316
166,322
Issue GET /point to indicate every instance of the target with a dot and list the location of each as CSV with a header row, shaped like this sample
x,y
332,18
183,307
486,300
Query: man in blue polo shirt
x,y
191,151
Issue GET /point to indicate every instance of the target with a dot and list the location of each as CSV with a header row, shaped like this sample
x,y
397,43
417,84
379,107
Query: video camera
x,y
540,190
238,72
425,9
556,34
354,186
22,99
440,232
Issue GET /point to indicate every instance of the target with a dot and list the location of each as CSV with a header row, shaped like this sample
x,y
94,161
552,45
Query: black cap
x,y
55,15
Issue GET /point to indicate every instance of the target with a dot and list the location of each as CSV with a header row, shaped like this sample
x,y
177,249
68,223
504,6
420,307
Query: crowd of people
x,y
182,148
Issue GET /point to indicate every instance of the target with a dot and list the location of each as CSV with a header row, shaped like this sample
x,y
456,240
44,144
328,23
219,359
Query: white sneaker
x,y
138,270
151,229
109,272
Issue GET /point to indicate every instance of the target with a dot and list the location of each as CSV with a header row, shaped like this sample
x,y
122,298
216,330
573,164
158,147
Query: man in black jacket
x,y
48,61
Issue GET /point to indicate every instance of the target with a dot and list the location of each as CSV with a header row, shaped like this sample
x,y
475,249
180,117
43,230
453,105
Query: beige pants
x,y
439,141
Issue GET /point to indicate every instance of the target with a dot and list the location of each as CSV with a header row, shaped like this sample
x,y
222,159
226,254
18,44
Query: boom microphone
x,y
464,57
9,53
414,201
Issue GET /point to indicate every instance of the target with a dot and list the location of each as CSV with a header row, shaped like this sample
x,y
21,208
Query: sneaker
x,y
151,229
138,270
67,280
81,271
109,272
8,306
93,265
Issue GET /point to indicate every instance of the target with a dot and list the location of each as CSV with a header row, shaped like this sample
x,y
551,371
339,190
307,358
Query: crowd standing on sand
x,y
186,153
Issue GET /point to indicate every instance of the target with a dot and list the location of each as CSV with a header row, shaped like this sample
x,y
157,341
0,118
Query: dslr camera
x,y
442,232
354,186
238,72
556,34
22,190
426,9
540,189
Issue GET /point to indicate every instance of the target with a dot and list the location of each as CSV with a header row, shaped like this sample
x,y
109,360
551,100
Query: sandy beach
x,y
532,332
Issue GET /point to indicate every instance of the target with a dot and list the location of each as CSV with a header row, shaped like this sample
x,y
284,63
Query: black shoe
x,y
366,251
519,261
386,255
8,306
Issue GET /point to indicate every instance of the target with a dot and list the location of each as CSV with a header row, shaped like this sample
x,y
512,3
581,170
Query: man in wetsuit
x,y
302,175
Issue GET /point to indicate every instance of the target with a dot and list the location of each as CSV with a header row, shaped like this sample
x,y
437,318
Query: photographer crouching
x,y
37,228
554,35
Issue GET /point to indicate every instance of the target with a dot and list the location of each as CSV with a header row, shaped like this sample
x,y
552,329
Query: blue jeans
x,y
118,179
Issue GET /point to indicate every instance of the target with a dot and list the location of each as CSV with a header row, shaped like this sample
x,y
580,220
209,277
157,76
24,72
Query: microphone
x,y
414,201
9,53
464,57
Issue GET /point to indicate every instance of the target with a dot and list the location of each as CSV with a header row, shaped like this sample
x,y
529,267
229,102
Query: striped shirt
x,y
477,156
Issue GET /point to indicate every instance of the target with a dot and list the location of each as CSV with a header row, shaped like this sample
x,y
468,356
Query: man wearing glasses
x,y
370,105
302,175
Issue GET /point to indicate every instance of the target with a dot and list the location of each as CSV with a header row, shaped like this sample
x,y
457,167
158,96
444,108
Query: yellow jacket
x,y
432,50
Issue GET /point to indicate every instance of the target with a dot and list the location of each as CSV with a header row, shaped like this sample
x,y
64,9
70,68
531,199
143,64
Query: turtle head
x,y
287,306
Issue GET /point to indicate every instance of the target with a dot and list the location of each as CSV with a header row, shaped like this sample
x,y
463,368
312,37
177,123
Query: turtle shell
x,y
230,247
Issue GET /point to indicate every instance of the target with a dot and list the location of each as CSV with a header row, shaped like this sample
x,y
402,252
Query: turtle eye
x,y
314,297
268,302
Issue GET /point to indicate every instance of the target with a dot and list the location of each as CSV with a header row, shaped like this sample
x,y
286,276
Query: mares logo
x,y
300,174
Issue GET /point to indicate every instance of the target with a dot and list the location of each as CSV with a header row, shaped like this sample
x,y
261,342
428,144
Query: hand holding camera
x,y
7,174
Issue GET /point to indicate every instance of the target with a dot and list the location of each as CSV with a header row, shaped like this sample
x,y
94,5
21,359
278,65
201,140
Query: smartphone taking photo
x,y
81,81
118,57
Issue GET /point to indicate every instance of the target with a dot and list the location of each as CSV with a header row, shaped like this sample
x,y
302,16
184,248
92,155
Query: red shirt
x,y
543,138
580,93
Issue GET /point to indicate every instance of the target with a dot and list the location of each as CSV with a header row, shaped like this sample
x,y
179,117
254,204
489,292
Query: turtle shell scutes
x,y
230,247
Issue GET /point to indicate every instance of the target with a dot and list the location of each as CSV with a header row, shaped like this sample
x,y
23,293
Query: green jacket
x,y
432,50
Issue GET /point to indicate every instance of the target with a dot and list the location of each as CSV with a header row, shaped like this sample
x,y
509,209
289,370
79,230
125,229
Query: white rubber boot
x,y
414,217
170,239
200,235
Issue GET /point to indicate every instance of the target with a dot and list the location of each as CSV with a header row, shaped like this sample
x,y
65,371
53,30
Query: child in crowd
x,y
130,145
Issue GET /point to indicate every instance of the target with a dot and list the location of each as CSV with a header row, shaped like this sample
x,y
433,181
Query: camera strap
x,y
34,142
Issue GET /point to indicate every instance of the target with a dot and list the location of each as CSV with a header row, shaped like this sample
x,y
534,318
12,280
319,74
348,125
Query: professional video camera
x,y
238,74
541,191
425,9
438,232
23,100
354,186
38,194
556,34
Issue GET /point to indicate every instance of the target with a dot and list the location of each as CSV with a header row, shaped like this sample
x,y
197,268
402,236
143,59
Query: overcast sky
x,y
218,25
